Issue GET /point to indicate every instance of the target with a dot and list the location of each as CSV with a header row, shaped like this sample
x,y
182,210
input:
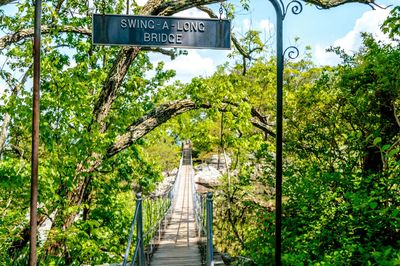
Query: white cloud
x,y
191,65
324,58
267,27
264,26
246,25
370,22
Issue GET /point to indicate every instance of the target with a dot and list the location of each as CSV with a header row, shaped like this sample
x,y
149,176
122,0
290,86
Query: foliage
x,y
341,187
92,229
392,24
347,180
341,192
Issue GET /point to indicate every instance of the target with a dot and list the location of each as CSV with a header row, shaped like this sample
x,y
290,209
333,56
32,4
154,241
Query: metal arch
x,y
281,10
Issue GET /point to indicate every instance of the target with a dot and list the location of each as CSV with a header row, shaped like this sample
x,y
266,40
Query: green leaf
x,y
377,140
394,213
373,205
394,152
386,147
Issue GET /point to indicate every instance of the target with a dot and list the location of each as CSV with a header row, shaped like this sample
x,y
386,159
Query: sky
x,y
319,29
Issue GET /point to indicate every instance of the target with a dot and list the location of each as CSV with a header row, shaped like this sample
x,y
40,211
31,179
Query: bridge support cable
x,y
142,258
152,220
156,219
179,242
138,202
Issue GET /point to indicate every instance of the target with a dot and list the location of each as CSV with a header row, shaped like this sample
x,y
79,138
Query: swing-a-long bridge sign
x,y
161,31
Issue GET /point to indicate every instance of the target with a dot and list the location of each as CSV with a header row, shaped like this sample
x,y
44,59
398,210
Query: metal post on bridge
x,y
135,221
141,259
210,248
159,213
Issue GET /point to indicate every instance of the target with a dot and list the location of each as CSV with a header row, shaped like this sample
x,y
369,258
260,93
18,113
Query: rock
x,y
166,184
213,161
206,177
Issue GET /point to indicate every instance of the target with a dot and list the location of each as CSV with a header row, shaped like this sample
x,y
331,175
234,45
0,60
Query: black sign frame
x,y
161,31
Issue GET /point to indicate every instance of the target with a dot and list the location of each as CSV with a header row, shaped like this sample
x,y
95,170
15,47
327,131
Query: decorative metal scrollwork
x,y
292,52
295,6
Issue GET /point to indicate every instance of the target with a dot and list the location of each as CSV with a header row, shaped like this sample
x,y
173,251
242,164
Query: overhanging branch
x,y
149,122
334,3
165,112
235,41
6,2
169,52
26,33
128,54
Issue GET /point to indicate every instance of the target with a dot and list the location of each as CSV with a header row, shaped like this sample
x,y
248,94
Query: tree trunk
x,y
3,133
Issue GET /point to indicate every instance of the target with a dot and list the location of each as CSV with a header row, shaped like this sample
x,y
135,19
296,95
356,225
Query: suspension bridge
x,y
174,228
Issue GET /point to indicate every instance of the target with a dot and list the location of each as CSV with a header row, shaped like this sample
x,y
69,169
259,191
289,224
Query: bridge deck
x,y
178,245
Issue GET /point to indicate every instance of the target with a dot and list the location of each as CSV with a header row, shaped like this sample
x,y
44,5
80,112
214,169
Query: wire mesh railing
x,y
139,241
151,215
204,220
150,219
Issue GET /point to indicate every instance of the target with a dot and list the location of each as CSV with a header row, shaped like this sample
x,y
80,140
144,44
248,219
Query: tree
x,y
91,112
341,158
96,104
5,2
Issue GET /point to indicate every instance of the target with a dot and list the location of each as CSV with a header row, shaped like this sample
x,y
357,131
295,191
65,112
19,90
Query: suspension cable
x,y
221,10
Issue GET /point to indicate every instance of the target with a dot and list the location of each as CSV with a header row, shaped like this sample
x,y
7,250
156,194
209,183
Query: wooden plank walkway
x,y
178,245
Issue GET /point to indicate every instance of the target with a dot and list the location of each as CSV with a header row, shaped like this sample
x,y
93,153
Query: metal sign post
x,y
35,132
293,52
161,31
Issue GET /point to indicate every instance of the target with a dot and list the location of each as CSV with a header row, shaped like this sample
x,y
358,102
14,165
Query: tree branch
x,y
128,54
264,127
166,8
396,117
235,41
7,116
3,133
162,114
6,2
112,84
326,4
26,33
150,121
169,52
258,120
321,3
